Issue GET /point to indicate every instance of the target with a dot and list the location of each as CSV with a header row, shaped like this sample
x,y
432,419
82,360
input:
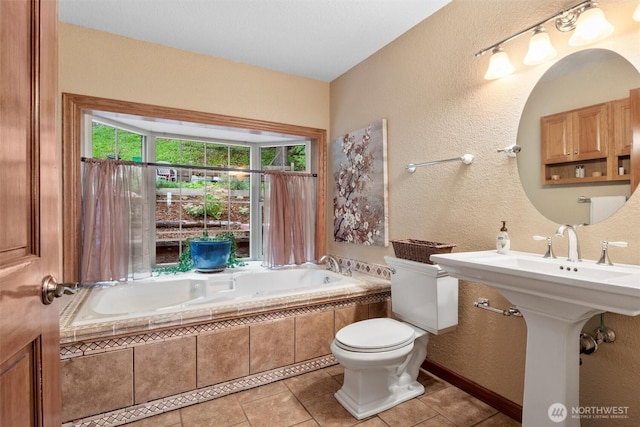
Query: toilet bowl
x,y
380,373
382,357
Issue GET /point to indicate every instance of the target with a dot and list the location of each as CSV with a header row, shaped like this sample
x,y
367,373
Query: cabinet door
x,y
621,134
590,132
556,138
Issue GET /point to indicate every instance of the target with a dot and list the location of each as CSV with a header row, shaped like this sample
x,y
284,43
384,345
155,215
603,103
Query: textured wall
x,y
109,66
430,87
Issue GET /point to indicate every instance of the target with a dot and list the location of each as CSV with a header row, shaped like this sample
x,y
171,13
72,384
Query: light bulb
x,y
540,48
499,65
591,27
636,14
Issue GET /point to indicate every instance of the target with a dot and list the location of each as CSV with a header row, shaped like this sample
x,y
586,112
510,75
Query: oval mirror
x,y
579,80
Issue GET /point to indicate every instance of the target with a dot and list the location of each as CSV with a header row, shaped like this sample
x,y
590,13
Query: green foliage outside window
x,y
128,146
210,204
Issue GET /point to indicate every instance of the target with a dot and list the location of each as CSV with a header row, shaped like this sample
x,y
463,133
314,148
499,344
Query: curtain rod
x,y
176,166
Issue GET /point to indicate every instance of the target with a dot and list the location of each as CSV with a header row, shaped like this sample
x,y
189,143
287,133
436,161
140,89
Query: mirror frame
x,y
73,106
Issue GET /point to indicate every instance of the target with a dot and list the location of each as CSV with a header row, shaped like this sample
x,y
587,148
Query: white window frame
x,y
149,155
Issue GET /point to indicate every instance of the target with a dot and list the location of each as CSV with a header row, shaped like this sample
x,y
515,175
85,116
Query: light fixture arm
x,y
565,21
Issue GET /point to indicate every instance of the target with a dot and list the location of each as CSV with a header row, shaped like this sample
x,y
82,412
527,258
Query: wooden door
x,y
29,218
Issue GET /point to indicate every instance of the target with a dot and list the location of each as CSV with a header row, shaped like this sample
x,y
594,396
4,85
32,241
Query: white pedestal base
x,y
552,369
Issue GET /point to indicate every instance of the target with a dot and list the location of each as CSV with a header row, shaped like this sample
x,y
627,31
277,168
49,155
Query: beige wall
x,y
104,65
430,87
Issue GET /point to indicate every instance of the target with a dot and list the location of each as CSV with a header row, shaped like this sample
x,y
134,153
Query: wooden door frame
x,y
73,106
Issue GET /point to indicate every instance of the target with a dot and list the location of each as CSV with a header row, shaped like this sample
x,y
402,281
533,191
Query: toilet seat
x,y
375,336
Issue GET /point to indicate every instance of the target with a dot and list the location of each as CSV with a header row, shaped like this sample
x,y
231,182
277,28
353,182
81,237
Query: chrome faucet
x,y
604,256
574,246
332,263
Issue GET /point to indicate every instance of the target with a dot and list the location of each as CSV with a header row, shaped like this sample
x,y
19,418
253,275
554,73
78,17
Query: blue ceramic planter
x,y
210,256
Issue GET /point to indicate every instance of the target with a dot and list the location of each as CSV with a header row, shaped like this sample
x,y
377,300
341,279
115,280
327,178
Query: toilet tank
x,y
423,295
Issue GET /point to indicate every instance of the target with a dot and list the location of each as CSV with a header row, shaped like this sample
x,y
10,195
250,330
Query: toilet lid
x,y
375,335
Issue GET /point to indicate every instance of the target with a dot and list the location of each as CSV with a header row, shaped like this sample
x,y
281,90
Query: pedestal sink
x,y
556,298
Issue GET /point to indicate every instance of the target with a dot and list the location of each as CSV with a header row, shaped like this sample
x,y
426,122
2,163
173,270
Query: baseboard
x,y
489,397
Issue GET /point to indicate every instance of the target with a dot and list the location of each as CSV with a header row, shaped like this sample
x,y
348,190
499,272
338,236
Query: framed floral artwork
x,y
360,211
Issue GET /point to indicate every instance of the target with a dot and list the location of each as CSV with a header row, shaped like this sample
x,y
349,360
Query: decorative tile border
x,y
377,270
171,403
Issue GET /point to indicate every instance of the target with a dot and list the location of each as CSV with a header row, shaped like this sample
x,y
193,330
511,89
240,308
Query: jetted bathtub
x,y
167,294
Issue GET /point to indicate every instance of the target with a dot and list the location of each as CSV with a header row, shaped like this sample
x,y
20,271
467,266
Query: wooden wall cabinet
x,y
597,138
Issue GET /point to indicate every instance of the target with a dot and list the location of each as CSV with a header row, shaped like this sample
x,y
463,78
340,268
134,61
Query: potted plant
x,y
210,254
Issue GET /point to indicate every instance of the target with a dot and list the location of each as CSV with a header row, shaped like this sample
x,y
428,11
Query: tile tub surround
x,y
129,370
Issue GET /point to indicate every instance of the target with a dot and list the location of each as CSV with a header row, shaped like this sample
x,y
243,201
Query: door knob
x,y
51,289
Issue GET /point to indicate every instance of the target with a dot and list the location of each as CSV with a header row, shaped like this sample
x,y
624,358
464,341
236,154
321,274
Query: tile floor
x,y
307,401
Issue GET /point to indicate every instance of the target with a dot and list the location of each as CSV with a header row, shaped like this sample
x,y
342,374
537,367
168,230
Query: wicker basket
x,y
420,250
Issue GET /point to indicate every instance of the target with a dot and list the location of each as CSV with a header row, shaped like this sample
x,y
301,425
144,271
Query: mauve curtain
x,y
289,219
115,221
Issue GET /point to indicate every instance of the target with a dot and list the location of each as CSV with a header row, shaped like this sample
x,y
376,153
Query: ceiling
x,y
318,39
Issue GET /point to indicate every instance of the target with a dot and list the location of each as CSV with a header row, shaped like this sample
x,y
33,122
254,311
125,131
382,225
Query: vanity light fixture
x,y
585,17
591,27
499,64
540,48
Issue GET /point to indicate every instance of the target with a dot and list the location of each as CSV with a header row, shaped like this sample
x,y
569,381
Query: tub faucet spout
x,y
332,263
574,246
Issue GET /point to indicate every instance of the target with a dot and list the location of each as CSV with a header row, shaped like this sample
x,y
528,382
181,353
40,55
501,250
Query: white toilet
x,y
381,357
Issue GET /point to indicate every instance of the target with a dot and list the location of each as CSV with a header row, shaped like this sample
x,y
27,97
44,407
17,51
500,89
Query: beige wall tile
x,y
97,383
380,309
222,356
314,333
271,345
164,369
352,314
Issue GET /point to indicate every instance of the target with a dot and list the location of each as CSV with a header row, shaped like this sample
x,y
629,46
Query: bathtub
x,y
197,292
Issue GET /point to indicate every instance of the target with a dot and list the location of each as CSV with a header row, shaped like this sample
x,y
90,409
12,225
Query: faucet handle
x,y
618,244
549,253
604,256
